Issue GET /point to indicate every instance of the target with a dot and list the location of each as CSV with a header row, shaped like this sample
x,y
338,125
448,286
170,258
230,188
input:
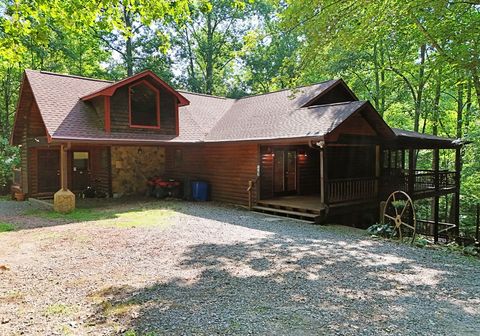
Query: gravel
x,y
208,269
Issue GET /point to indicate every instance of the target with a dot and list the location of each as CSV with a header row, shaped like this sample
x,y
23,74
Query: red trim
x,y
106,108
177,123
110,90
157,105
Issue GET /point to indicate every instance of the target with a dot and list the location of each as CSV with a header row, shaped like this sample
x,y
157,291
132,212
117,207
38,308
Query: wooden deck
x,y
296,206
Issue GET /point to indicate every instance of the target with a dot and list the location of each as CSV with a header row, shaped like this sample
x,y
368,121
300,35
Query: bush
x,y
382,230
9,159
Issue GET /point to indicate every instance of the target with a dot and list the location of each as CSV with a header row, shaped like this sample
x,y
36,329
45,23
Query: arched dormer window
x,y
144,105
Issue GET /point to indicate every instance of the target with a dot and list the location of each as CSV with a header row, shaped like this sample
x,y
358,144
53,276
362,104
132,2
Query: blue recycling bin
x,y
199,191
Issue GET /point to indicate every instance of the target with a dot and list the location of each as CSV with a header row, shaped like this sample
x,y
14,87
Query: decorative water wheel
x,y
399,212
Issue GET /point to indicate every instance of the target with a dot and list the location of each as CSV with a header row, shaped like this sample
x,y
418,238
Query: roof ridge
x,y
206,95
337,103
72,76
288,89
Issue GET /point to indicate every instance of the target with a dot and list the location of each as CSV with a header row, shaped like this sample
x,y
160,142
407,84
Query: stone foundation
x,y
133,165
64,201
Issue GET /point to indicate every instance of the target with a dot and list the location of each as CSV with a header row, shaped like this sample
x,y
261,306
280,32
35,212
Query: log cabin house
x,y
308,152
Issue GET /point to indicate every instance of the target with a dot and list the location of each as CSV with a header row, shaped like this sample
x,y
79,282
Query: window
x,y
80,161
144,105
178,158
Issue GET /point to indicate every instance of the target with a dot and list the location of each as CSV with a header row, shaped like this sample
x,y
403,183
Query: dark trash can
x,y
199,190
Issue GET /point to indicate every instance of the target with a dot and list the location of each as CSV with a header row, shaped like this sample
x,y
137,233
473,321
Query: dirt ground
x,y
169,267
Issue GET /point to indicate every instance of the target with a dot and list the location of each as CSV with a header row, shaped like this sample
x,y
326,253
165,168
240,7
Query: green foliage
x,y
4,227
9,159
421,241
78,215
382,230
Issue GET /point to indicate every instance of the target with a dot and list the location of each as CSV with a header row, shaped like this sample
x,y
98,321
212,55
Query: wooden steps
x,y
308,215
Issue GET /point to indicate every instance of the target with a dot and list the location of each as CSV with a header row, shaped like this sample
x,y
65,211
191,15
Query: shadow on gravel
x,y
287,284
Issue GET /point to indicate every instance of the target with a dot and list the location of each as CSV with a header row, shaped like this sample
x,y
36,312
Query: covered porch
x,y
310,181
353,176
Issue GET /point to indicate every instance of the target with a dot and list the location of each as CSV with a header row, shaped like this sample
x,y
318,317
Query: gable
x,y
339,92
364,122
28,120
147,75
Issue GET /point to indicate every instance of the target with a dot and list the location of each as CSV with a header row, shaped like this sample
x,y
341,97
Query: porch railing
x,y
423,180
351,190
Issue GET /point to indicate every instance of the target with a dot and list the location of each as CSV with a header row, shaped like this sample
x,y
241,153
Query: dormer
x,y
141,103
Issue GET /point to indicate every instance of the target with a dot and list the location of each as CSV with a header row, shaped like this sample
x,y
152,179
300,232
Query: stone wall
x,y
133,165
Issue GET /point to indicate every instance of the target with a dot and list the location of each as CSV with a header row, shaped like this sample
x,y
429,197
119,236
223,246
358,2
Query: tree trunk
x,y
459,108
468,108
436,102
378,63
192,80
127,17
421,85
476,84
209,57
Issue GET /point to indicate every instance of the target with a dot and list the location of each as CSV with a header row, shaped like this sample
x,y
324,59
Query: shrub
x,y
9,159
382,230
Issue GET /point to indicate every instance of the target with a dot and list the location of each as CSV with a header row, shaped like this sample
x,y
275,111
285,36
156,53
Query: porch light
x,y
303,153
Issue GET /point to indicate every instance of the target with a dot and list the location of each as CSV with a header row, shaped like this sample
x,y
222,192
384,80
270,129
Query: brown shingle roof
x,y
58,98
268,116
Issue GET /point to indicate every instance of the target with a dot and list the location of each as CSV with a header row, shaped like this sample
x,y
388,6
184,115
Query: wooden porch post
x,y
411,177
411,172
63,167
436,210
322,181
64,199
458,169
323,175
377,169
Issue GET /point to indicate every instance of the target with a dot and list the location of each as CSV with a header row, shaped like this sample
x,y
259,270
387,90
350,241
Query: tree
x,y
207,42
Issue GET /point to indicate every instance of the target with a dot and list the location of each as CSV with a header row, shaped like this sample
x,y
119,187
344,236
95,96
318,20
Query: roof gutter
x,y
303,139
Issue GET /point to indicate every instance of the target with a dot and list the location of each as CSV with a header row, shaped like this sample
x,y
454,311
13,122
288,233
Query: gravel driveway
x,y
211,269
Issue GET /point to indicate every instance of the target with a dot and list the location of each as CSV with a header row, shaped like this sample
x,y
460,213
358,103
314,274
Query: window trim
x,y
157,96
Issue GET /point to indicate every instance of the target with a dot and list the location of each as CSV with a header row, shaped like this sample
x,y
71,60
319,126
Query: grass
x,y
141,218
12,296
58,309
4,227
4,198
118,309
119,218
78,215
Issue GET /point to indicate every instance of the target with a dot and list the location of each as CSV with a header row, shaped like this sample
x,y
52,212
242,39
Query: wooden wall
x,y
119,113
308,167
308,170
266,173
99,168
227,167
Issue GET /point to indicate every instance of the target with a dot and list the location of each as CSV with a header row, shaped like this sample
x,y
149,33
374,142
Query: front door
x,y
48,170
285,172
80,170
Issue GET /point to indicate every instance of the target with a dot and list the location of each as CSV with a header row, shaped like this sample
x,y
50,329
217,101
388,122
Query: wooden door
x,y
285,172
80,170
48,170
